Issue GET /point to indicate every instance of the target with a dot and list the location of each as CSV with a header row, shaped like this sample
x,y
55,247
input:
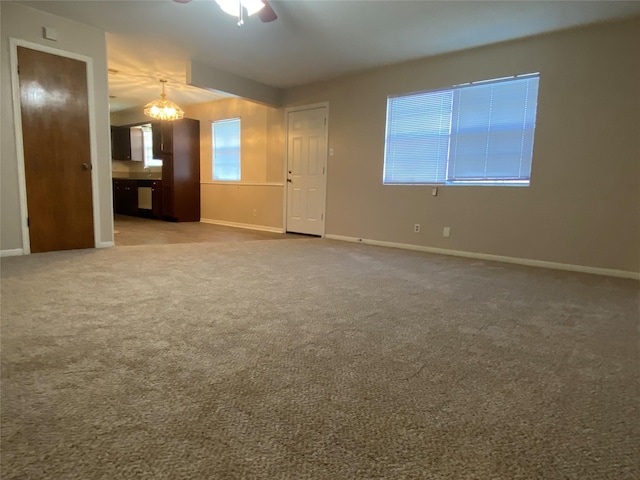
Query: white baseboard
x,y
14,252
247,226
494,258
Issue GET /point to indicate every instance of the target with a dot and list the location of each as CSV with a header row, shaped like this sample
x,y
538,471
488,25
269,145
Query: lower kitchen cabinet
x,y
138,198
125,197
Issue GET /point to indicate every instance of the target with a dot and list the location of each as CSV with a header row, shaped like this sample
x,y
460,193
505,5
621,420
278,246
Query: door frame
x,y
17,121
287,111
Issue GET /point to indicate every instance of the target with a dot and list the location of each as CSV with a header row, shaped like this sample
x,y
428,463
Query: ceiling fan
x,y
237,8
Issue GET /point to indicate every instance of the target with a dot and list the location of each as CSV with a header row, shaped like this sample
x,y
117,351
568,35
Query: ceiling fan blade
x,y
266,13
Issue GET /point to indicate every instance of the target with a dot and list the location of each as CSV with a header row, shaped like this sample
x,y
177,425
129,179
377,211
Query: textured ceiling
x,y
311,39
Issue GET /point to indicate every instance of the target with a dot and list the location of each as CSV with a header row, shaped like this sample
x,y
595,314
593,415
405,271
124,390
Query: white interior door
x,y
306,170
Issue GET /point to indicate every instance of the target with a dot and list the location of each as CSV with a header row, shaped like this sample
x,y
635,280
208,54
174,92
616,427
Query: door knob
x,y
86,166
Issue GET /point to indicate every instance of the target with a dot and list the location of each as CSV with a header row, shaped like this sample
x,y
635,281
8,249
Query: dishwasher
x,y
144,198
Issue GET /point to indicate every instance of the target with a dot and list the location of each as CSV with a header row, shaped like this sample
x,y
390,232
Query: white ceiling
x,y
311,39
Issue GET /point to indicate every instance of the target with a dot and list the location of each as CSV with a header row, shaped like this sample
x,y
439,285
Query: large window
x,y
477,133
225,136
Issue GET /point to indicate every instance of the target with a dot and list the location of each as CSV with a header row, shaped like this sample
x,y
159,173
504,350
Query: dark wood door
x,y
166,137
156,199
117,196
186,170
156,135
131,198
167,187
57,153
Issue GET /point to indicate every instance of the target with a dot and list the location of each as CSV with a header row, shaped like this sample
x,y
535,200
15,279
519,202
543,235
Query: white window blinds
x,y
226,149
417,139
477,133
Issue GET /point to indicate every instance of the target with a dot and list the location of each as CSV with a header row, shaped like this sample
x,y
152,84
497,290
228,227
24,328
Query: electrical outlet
x,y
255,213
416,228
446,232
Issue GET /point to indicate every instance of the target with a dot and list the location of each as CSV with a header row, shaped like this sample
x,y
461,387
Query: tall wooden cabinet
x,y
179,148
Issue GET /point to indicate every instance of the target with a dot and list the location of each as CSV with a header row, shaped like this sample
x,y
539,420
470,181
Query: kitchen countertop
x,y
136,176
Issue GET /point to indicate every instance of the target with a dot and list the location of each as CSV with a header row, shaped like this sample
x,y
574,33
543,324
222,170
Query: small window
x,y
225,136
141,143
149,161
474,134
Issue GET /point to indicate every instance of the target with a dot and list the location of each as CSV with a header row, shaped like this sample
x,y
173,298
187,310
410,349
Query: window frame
x,y
503,181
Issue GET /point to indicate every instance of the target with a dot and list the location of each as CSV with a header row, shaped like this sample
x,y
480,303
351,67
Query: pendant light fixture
x,y
163,109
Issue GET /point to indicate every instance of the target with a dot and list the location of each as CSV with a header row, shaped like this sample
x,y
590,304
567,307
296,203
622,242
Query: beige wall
x,y
26,24
234,204
258,198
583,205
129,116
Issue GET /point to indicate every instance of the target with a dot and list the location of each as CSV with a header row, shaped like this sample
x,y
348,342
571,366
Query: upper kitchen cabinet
x,y
180,153
127,143
120,143
162,133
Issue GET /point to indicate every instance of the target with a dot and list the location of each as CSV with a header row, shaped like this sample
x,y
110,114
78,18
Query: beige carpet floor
x,y
313,359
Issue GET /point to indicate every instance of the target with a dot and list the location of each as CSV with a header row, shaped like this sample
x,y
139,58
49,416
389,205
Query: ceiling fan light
x,y
252,6
231,7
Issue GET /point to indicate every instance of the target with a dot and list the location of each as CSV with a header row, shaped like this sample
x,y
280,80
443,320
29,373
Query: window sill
x,y
462,184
